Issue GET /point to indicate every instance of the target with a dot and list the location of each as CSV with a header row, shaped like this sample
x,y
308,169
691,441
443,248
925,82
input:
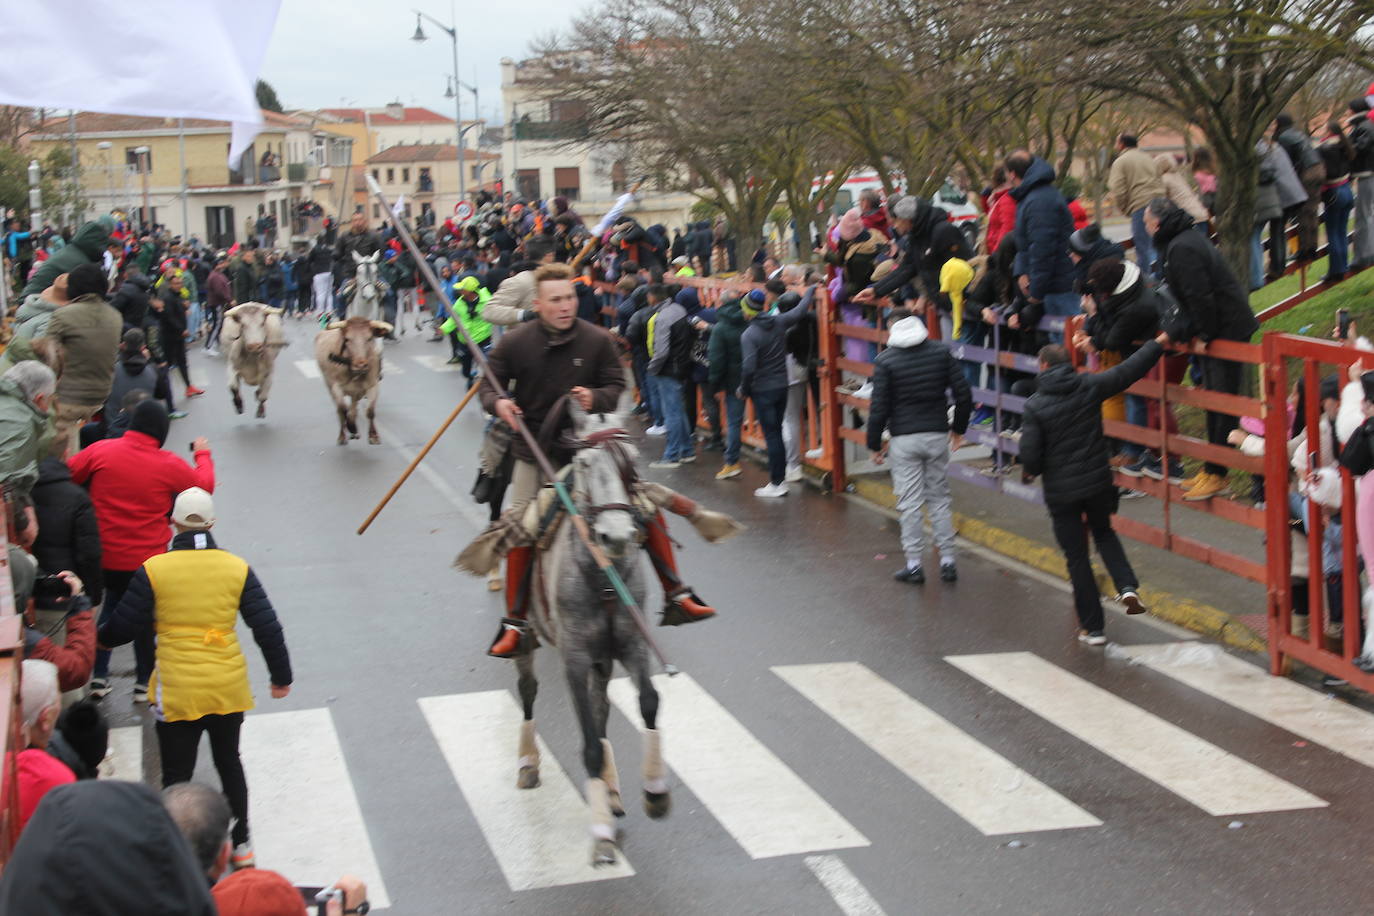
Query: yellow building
x,y
178,170
427,175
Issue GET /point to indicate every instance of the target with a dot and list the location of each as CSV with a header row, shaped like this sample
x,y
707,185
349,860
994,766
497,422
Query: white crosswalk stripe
x,y
757,798
1216,781
978,784
437,363
540,837
311,369
1339,726
124,754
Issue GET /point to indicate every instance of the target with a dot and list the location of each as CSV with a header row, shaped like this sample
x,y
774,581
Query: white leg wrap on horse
x,y
608,771
529,750
599,800
655,775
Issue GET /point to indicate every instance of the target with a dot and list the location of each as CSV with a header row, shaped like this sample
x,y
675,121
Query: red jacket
x,y
76,659
1001,218
1080,215
133,483
38,771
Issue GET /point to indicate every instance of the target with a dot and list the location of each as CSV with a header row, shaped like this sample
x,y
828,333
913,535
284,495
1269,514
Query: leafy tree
x,y
267,96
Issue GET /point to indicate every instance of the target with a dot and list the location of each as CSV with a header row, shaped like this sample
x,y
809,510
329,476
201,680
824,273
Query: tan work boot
x,y
1207,486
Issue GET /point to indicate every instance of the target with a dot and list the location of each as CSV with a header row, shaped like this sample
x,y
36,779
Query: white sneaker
x,y
865,392
771,491
815,453
656,431
665,465
687,459
794,474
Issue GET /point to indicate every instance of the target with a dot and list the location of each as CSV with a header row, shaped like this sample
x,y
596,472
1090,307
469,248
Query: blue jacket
x,y
1043,227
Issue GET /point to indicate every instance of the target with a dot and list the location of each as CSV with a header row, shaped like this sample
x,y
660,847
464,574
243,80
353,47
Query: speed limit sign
x,y
462,209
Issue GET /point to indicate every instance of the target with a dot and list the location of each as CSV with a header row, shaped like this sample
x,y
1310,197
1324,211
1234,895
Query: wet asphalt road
x,y
375,623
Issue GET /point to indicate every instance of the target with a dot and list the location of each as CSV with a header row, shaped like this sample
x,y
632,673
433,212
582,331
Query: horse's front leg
x,y
657,800
601,706
529,748
579,675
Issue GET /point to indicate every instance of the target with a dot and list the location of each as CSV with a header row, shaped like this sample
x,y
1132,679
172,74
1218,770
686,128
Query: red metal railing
x,y
11,656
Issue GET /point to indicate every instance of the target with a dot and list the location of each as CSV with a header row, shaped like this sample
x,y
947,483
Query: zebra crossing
x,y
297,767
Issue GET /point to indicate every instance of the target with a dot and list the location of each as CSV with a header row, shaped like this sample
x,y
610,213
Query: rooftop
x,y
94,122
427,152
389,115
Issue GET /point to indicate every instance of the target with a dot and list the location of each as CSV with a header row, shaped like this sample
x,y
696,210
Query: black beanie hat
x,y
85,728
1083,240
150,418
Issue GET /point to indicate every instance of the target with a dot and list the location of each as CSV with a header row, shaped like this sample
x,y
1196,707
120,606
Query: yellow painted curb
x,y
1193,615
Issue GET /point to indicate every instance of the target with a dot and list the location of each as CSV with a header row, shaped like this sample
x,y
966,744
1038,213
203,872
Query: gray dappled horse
x,y
364,293
591,628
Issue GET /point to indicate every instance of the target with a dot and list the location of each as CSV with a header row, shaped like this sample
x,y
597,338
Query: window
x,y
618,183
138,162
426,183
567,111
376,212
376,175
527,184
476,172
390,176
405,176
567,182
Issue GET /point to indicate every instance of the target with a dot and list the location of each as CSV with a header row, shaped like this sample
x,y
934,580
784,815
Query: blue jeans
x,y
1256,259
734,419
1063,304
975,334
651,399
769,407
675,418
1337,218
1144,244
1137,414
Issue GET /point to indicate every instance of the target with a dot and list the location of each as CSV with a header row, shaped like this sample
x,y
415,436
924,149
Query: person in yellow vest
x,y
192,597
470,300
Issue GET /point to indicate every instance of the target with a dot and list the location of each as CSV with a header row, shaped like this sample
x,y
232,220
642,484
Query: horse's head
x,y
603,460
367,268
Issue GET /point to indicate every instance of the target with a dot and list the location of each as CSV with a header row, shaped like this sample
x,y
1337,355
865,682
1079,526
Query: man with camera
x,y
58,624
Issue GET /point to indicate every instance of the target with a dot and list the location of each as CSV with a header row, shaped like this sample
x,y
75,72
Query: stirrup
x,y
515,637
676,612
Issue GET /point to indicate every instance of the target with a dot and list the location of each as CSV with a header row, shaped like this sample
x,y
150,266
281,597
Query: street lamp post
x,y
142,153
104,146
457,98
476,118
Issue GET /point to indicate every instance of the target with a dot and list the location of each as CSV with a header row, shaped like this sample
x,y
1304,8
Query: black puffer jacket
x,y
910,379
1209,297
932,241
1061,429
131,300
68,536
1129,315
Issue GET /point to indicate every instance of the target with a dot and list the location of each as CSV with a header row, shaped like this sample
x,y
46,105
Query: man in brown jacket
x,y
1133,182
538,363
88,329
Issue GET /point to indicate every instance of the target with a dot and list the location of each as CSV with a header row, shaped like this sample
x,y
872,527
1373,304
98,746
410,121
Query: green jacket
x,y
471,314
30,322
724,353
243,280
23,429
88,246
89,329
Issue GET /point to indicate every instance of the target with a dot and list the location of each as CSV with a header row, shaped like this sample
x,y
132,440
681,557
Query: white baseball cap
x,y
194,508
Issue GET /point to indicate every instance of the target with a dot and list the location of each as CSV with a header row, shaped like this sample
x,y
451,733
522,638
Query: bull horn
x,y
334,325
381,326
232,313
271,310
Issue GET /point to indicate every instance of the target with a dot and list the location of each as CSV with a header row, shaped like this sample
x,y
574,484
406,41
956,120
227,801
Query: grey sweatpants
x,y
1364,222
920,477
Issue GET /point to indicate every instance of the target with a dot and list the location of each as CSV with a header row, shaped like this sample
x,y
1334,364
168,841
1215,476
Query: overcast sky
x,y
358,53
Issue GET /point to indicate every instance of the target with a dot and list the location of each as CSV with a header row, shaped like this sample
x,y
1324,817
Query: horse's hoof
x,y
657,805
528,778
238,405
342,440
262,410
617,806
603,853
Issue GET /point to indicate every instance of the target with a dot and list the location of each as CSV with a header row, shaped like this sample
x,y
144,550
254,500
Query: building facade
x,y
424,178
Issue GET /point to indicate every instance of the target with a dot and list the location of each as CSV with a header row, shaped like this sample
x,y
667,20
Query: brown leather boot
x,y
515,637
682,605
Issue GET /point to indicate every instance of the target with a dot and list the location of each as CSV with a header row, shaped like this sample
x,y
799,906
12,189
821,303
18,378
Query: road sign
x,y
463,209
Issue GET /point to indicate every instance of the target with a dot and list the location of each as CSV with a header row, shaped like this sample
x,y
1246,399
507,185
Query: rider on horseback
x,y
540,362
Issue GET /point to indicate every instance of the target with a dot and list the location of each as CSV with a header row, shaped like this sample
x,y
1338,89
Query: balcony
x,y
424,186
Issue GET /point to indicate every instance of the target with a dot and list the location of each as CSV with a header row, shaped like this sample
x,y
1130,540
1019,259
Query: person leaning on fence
x,y
1212,305
1062,443
910,381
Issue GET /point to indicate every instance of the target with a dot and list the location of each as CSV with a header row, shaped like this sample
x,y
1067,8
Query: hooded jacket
x,y
724,351
132,373
1209,296
910,381
31,322
932,241
1043,227
1128,315
68,534
87,247
1061,428
1291,190
670,338
23,427
131,299
103,848
763,348
133,482
88,329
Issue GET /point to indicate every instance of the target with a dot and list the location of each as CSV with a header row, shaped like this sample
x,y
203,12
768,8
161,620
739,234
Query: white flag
x,y
157,58
399,206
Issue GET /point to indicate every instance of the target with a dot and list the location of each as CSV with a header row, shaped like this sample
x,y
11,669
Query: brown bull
x,y
350,359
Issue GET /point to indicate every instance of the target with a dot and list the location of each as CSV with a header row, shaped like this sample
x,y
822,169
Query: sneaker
x,y
794,474
140,693
981,417
454,360
865,392
1175,472
211,351
771,491
177,415
687,459
656,431
1119,461
1207,486
193,392
728,472
815,454
1128,493
1131,599
949,572
912,575
1094,638
663,465
1146,465
100,687
243,857
1188,483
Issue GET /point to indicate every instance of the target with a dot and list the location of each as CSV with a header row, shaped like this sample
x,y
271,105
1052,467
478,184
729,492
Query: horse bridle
x,y
612,439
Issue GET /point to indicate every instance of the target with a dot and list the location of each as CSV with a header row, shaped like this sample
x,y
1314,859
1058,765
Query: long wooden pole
x,y
542,460
415,462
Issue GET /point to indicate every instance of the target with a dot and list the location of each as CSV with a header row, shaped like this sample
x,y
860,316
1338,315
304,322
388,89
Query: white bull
x,y
254,332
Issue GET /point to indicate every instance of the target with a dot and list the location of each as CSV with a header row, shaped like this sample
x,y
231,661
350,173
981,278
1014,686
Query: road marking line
x,y
845,889
124,754
1216,781
309,368
758,799
540,837
968,777
437,363
1339,726
302,809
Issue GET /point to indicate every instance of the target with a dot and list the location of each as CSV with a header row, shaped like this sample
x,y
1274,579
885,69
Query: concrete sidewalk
x,y
1182,591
